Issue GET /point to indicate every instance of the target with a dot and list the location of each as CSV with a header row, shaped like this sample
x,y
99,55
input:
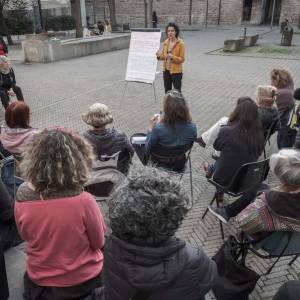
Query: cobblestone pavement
x,y
59,93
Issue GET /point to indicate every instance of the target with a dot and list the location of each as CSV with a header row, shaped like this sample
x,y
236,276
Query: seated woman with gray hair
x,y
143,259
277,209
107,141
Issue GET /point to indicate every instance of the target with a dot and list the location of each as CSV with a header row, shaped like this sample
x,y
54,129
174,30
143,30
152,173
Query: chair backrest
x,y
276,242
272,128
248,177
105,177
172,158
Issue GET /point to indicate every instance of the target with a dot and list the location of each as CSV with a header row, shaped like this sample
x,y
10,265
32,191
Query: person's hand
x,y
169,55
11,92
153,121
158,53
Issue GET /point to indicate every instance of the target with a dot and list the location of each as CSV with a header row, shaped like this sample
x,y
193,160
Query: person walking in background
x,y
8,85
154,19
62,225
3,47
283,81
172,54
143,258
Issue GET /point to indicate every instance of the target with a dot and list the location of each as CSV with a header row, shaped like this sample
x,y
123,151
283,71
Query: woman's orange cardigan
x,y
178,56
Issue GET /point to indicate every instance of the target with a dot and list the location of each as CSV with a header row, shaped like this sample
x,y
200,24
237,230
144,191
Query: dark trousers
x,y
172,79
4,96
33,291
237,206
286,137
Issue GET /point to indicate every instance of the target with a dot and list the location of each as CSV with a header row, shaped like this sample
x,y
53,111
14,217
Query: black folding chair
x,y
174,159
277,245
273,127
248,177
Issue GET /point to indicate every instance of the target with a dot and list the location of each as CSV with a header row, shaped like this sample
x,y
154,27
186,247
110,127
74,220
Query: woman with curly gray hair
x,y
62,225
143,259
277,209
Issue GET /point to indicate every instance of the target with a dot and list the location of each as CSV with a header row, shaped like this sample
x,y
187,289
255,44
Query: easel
x,y
132,79
126,86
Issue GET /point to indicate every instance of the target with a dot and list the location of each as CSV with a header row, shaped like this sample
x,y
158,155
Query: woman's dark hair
x,y
175,27
175,109
246,117
154,13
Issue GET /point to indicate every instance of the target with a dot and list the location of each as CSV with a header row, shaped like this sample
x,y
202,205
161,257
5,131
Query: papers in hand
x,y
139,140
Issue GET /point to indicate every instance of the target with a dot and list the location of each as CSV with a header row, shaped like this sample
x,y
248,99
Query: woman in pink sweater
x,y
62,225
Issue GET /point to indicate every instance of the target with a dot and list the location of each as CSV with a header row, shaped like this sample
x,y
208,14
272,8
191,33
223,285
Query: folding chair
x,y
278,244
8,175
269,132
174,159
248,177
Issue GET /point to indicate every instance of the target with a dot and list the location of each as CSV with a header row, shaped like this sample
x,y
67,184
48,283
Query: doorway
x,y
268,9
247,9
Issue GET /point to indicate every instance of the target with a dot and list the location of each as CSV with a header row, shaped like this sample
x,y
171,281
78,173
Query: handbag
x,y
235,280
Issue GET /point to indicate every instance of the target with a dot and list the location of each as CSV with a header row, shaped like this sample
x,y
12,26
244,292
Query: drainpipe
x,y
219,15
206,13
273,12
190,12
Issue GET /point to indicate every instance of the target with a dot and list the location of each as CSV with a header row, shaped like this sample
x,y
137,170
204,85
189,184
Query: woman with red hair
x,y
17,132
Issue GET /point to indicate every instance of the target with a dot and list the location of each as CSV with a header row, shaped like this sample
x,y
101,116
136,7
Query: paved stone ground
x,y
59,93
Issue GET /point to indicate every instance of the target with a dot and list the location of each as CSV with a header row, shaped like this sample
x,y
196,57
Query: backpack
x,y
105,177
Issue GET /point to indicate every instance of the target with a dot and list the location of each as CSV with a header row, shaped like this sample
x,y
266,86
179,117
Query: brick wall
x,y
132,11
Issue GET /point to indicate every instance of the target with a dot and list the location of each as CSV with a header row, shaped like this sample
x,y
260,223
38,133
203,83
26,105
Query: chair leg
x,y
211,202
292,261
271,268
221,224
191,181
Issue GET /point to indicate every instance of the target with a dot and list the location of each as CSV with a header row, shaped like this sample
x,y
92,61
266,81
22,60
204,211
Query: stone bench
x,y
233,45
250,40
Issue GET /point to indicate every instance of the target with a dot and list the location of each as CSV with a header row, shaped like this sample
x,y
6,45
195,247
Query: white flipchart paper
x,y
142,61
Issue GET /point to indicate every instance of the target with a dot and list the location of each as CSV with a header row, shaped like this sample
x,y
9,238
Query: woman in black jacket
x,y
8,86
241,141
143,259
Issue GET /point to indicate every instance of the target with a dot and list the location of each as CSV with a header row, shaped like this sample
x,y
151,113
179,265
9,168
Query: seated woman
x,y
265,100
268,113
8,86
62,225
241,141
276,209
173,129
16,133
107,141
3,47
283,81
143,259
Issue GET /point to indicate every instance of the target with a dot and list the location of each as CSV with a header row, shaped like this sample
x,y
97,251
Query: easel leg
x,y
154,92
124,92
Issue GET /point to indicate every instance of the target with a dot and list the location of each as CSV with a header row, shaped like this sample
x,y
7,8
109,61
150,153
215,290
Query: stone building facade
x,y
210,11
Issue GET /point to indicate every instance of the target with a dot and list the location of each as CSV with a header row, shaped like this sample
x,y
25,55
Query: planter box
x,y
251,40
233,45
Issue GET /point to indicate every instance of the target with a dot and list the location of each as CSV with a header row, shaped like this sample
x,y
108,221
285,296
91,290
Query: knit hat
x,y
265,95
98,115
297,94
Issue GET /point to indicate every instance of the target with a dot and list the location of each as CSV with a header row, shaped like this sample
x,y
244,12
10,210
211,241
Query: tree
x,y
19,7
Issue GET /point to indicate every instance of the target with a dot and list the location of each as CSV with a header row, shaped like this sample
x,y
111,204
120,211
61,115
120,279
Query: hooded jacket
x,y
15,140
110,142
170,271
272,210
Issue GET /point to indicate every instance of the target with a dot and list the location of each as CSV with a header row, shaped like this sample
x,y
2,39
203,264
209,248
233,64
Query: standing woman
x,y
173,56
283,81
154,19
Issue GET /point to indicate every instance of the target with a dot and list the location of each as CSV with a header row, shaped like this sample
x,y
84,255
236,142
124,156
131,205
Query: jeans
x,y
4,96
170,79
